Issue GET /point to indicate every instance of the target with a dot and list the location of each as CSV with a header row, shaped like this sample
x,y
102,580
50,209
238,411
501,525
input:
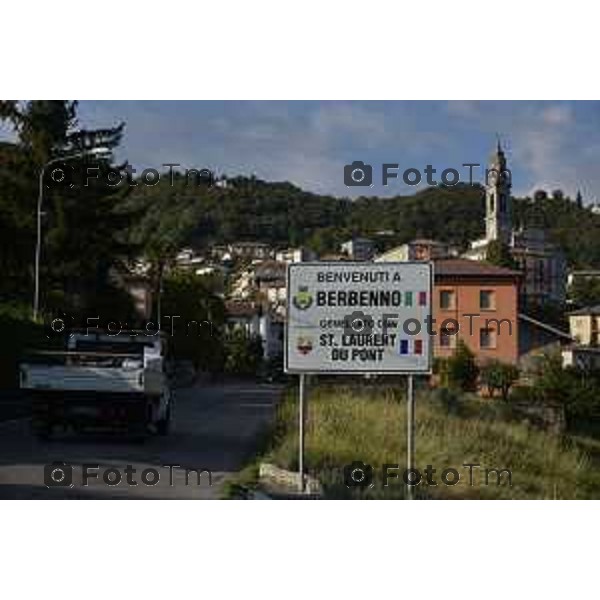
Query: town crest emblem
x,y
304,345
303,298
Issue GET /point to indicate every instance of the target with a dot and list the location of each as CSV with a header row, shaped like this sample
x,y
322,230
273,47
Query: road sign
x,y
348,317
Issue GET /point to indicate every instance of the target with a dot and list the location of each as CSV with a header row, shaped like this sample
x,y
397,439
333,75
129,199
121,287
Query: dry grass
x,y
346,424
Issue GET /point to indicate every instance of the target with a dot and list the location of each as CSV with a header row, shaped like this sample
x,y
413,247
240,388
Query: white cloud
x,y
557,114
549,145
464,108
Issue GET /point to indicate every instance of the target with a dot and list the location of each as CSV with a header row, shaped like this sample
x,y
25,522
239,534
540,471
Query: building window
x,y
447,300
487,338
487,300
447,338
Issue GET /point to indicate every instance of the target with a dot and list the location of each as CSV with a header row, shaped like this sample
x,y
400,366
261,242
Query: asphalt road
x,y
215,429
13,405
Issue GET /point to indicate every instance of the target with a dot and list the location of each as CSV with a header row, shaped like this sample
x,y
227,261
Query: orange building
x,y
475,302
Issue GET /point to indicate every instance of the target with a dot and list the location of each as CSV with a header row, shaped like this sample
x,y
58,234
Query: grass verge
x,y
346,424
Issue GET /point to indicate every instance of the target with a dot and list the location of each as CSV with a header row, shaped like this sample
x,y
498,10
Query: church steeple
x,y
498,221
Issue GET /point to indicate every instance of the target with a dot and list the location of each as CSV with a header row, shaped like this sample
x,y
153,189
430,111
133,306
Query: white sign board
x,y
347,317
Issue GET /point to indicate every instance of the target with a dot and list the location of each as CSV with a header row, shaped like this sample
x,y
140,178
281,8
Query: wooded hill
x,y
282,214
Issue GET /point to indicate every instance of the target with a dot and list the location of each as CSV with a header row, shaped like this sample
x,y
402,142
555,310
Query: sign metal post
x,y
301,399
410,418
358,318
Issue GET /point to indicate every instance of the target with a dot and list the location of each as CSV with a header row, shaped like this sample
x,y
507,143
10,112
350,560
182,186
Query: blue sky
x,y
549,144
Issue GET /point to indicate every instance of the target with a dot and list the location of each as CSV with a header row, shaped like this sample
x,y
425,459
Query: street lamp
x,y
38,245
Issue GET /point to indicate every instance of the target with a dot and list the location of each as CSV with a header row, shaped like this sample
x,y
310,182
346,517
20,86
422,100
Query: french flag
x,y
417,347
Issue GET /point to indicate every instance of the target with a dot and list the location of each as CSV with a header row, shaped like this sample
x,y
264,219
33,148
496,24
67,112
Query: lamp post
x,y
38,244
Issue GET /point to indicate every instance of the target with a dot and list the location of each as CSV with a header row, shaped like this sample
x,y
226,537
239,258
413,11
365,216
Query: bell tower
x,y
498,205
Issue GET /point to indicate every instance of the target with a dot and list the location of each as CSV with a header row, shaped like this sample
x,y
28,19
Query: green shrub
x,y
460,371
499,377
19,335
448,398
197,321
243,353
525,394
574,388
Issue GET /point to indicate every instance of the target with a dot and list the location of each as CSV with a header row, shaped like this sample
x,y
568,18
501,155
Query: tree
x,y
498,254
244,353
585,292
574,388
193,316
499,377
43,126
84,226
460,371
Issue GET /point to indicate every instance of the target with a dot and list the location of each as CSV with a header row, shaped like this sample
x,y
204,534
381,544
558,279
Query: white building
x,y
358,248
295,255
583,275
270,282
253,320
420,249
243,287
584,325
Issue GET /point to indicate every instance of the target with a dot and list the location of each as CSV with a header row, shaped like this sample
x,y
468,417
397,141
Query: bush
x,y
525,395
243,353
499,377
196,322
20,335
447,398
459,372
573,388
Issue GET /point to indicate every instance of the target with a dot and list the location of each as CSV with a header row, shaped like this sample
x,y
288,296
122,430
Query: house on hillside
x,y
358,248
419,249
483,299
254,320
187,259
334,257
295,255
477,303
584,275
242,250
251,250
537,339
584,352
243,284
220,252
270,282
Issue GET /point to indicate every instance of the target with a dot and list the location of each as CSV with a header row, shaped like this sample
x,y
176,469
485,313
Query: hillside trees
x,y
84,225
498,254
193,316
